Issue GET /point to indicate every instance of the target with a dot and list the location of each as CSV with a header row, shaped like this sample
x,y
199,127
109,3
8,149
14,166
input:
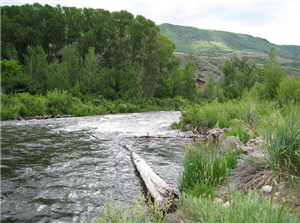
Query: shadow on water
x,y
61,170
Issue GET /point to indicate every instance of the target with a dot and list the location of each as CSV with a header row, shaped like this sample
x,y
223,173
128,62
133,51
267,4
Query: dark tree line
x,y
98,52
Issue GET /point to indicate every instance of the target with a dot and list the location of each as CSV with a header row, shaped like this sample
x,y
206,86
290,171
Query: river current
x,y
62,170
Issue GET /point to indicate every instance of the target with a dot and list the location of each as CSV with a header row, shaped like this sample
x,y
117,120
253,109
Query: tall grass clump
x,y
205,169
283,144
143,209
248,208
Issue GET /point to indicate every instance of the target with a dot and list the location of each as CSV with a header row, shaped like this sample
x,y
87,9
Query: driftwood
x,y
160,190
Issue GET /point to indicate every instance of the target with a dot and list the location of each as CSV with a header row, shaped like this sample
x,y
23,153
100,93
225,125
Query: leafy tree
x,y
130,85
190,89
90,71
239,74
166,88
270,77
72,65
12,78
57,76
289,90
209,91
36,67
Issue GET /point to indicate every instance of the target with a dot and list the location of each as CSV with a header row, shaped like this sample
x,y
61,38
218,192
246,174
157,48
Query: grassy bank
x,y
206,168
56,102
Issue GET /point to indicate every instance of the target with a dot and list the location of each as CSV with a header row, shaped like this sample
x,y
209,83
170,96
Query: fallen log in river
x,y
162,193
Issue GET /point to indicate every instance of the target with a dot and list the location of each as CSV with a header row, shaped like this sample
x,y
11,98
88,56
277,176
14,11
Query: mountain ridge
x,y
204,46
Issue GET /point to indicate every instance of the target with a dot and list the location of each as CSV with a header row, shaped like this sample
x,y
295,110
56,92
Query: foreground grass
x,y
143,210
243,208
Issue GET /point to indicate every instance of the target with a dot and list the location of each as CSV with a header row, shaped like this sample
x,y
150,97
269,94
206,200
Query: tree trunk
x,y
160,190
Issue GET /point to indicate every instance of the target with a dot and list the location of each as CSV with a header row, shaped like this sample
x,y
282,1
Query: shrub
x,y
122,108
224,123
24,111
59,101
289,90
10,107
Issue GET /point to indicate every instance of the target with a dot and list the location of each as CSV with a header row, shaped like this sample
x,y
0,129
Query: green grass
x,y
205,169
143,210
283,144
240,133
248,208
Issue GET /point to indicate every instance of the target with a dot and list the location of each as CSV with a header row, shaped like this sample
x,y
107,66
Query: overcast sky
x,y
277,21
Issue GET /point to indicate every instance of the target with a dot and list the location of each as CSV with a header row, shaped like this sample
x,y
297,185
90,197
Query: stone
x,y
232,142
254,147
191,135
173,218
226,204
188,127
218,200
267,189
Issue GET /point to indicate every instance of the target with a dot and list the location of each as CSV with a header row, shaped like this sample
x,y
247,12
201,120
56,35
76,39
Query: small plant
x,y
176,125
224,123
239,132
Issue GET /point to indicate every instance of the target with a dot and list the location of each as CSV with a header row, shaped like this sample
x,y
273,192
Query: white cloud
x,y
277,21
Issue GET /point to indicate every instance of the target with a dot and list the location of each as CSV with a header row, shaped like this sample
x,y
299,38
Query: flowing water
x,y
62,170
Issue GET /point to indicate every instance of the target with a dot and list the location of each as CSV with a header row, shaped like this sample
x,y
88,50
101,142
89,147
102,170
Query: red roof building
x,y
200,83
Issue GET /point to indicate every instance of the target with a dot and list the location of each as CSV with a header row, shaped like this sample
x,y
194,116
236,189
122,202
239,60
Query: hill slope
x,y
210,48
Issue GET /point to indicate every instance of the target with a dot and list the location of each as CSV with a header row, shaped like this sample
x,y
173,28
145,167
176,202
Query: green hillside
x,y
210,48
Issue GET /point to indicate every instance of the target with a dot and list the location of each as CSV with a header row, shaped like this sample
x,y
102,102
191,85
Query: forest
x,y
113,54
88,54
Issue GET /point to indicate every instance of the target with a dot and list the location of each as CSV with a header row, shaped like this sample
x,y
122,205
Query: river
x,y
62,170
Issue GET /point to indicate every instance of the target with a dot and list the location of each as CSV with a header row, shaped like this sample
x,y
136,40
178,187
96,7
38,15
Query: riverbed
x,y
62,170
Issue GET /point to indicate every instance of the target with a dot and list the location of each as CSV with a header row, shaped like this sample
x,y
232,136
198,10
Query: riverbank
x,y
258,184
62,104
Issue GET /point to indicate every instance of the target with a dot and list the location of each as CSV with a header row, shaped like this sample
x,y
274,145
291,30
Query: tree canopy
x,y
113,54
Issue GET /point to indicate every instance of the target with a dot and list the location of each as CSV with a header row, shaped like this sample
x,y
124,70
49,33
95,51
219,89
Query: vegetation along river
x,y
61,170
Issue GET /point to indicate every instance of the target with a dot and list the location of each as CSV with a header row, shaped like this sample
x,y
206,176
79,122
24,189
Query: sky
x,y
277,21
